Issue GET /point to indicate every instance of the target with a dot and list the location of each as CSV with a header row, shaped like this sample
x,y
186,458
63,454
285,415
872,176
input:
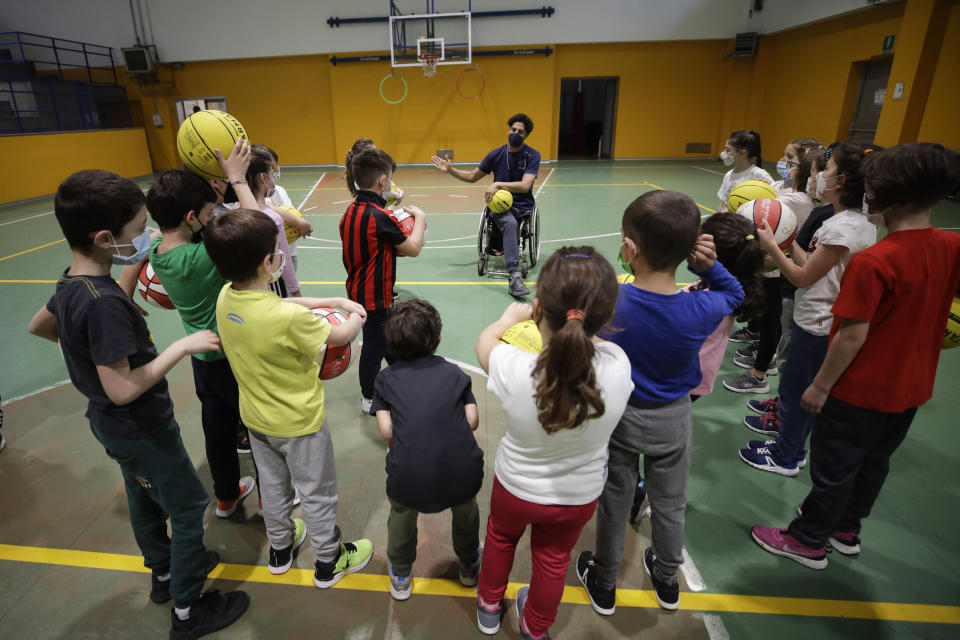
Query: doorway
x,y
188,106
588,111
866,114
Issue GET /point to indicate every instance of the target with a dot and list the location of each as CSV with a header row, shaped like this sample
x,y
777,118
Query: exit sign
x,y
888,44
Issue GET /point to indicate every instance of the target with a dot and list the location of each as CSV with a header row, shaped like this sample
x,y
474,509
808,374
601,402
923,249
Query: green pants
x,y
160,479
402,534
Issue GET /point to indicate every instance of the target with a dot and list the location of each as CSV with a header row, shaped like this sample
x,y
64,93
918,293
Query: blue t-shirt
x,y
511,167
662,334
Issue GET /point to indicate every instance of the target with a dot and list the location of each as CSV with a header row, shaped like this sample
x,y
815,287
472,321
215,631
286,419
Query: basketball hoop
x,y
429,63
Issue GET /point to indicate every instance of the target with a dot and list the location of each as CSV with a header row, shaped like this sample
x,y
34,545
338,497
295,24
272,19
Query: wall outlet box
x,y
157,120
898,91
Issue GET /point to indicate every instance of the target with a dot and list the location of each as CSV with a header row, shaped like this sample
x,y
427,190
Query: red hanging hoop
x,y
483,83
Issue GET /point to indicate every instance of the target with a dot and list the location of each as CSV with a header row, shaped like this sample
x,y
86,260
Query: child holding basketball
x,y
742,153
396,193
426,409
882,358
561,405
112,360
181,203
261,178
279,199
817,276
372,240
273,346
661,330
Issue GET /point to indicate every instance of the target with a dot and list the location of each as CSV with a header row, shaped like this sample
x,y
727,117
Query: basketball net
x,y
429,64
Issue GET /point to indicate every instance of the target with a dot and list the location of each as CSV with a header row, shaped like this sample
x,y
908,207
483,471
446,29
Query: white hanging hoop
x,y
429,64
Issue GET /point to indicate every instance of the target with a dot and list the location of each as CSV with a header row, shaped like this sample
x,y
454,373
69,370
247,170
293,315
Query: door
x,y
588,108
188,106
866,115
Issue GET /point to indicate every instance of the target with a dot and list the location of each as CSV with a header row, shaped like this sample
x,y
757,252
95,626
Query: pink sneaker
x,y
781,543
845,542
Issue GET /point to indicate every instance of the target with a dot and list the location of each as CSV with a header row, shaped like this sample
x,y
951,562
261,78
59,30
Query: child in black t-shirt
x,y
425,407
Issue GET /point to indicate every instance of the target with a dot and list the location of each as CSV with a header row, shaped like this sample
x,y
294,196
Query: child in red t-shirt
x,y
883,354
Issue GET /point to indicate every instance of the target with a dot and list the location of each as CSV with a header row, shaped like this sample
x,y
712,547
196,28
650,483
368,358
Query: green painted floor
x,y
60,491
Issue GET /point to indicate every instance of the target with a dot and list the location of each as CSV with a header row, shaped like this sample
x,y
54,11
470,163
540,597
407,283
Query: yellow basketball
x,y
951,337
201,134
293,234
625,278
501,201
524,335
747,191
391,200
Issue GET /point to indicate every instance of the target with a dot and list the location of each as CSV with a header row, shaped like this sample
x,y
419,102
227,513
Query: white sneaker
x,y
365,405
225,508
296,497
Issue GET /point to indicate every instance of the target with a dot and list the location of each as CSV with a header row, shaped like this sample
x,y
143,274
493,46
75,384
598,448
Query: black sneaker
x,y
668,593
517,288
749,351
211,612
743,335
603,600
160,590
243,442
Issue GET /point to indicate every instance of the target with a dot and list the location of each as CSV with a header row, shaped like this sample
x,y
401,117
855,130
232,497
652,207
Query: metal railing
x,y
64,55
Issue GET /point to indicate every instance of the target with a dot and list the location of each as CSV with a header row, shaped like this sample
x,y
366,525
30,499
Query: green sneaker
x,y
282,559
354,556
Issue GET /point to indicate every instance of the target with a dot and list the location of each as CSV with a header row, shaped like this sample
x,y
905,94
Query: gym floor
x,y
69,566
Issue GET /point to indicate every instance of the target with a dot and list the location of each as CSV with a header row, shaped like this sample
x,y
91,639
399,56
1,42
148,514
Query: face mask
x,y
874,218
272,190
388,192
275,275
515,139
197,236
783,168
275,177
726,158
623,263
141,244
811,187
822,185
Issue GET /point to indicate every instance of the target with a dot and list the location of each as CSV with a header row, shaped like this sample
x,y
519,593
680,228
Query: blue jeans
x,y
807,352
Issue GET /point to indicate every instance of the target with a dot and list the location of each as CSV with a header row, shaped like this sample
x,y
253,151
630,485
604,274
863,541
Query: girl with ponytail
x,y
561,406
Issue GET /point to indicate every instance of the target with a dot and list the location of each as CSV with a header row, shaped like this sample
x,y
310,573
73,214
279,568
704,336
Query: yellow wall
x,y
35,165
940,122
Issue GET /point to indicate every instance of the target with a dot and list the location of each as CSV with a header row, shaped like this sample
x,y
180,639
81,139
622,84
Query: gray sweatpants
x,y
662,434
307,463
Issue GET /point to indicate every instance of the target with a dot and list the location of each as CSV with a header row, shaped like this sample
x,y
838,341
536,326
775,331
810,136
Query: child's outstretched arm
x,y
235,166
414,243
490,337
293,221
815,266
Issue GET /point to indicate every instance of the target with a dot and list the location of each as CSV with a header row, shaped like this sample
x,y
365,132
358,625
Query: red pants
x,y
555,529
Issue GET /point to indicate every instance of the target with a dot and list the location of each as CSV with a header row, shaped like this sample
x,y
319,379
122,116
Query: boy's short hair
x,y
413,329
369,164
664,225
915,176
525,120
93,200
176,193
238,240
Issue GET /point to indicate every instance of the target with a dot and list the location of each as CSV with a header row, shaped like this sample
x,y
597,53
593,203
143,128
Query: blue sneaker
x,y
760,407
489,617
763,458
521,603
801,461
768,424
401,587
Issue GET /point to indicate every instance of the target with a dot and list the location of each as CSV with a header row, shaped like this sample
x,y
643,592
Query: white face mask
x,y
275,275
822,185
726,158
141,246
874,218
389,191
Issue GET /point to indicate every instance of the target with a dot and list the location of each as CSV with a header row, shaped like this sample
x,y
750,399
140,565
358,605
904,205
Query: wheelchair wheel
x,y
483,241
535,238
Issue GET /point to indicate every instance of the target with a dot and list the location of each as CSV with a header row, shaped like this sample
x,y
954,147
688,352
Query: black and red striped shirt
x,y
370,236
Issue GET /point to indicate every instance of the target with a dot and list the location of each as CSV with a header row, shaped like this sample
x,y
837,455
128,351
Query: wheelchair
x,y
490,260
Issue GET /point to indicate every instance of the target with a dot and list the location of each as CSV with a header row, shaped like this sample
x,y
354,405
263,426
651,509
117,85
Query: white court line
x,y
719,173
545,181
601,235
309,209
310,193
456,196
429,214
40,390
339,202
39,215
468,367
715,627
691,574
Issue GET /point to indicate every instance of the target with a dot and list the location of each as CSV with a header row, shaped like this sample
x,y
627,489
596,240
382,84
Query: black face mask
x,y
230,196
515,139
197,236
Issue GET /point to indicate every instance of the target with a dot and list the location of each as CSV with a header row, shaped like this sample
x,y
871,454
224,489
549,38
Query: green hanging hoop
x,y
385,98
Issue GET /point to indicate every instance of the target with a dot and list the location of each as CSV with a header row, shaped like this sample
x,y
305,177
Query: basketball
x,y
404,220
391,200
336,359
293,234
501,201
747,191
202,133
524,335
625,278
149,286
951,337
782,220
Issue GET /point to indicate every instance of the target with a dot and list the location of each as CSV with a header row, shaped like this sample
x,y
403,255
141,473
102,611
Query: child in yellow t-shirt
x,y
273,346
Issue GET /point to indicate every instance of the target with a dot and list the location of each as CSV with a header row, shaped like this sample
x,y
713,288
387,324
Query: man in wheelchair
x,y
514,166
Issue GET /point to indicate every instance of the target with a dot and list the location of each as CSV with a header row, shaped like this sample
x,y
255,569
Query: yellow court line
x,y
812,607
20,253
696,203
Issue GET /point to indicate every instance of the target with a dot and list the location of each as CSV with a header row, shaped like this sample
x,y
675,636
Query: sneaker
x,y
743,335
225,508
768,424
846,542
603,600
781,543
746,383
517,288
353,557
160,589
801,461
639,497
468,573
522,595
770,405
296,497
213,611
282,559
747,362
243,442
401,587
489,617
365,405
764,459
668,593
750,351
